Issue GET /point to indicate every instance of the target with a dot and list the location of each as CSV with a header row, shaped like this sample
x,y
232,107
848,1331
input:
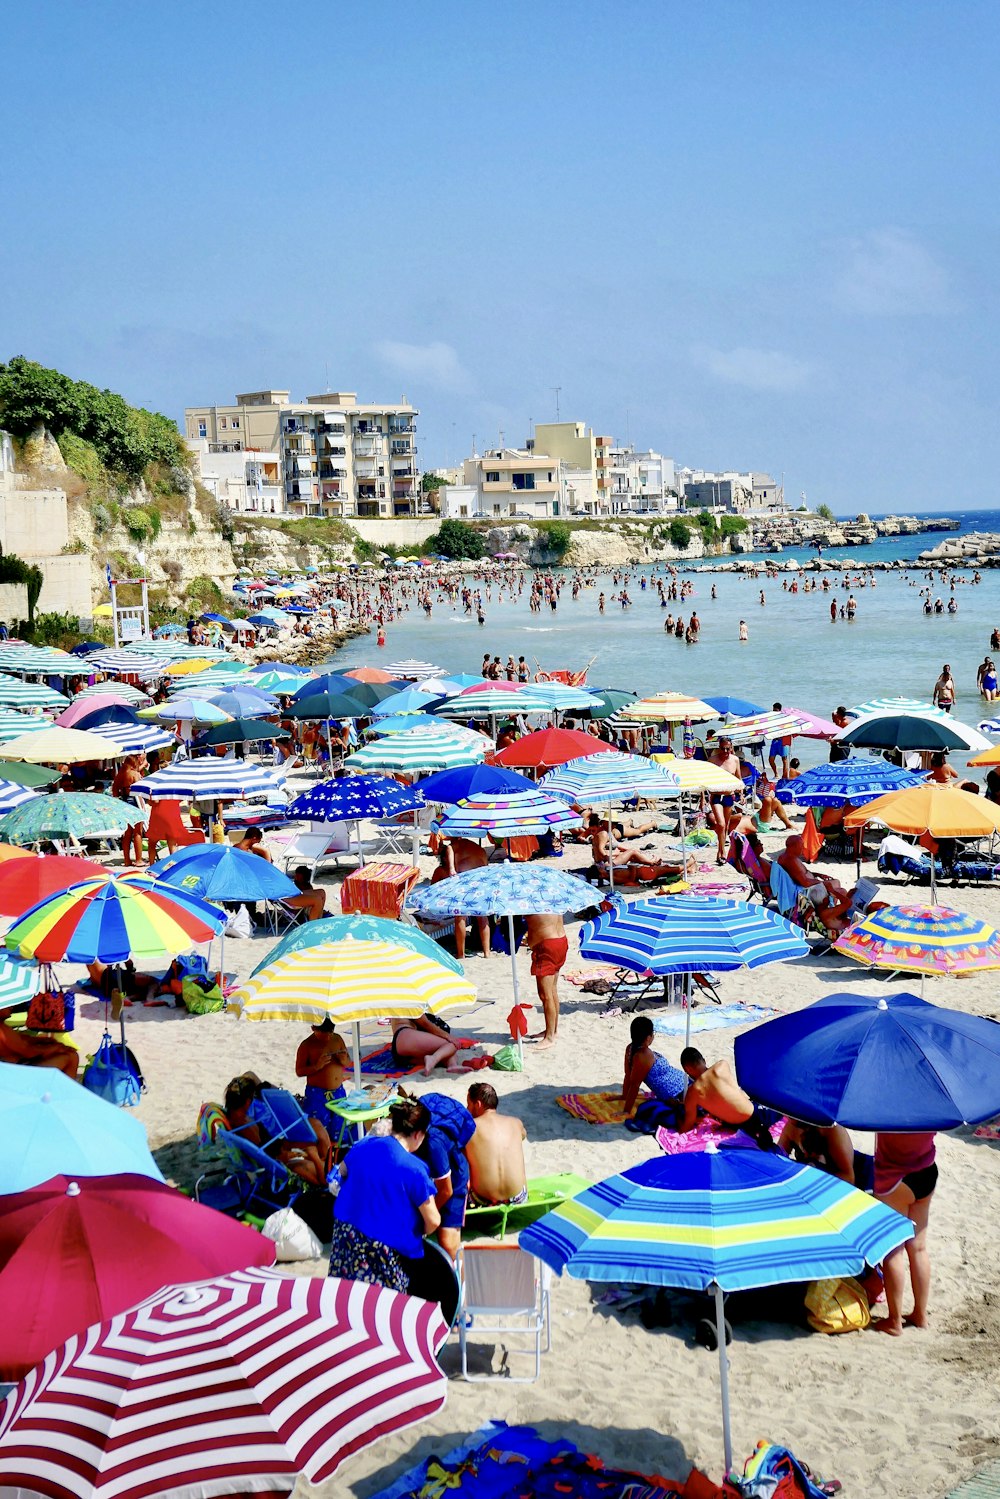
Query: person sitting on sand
x,y
828,897
905,1177
421,1039
324,1061
309,899
715,1091
495,1152
26,1050
644,1065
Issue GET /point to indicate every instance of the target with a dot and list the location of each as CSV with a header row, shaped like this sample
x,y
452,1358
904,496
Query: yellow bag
x,y
837,1305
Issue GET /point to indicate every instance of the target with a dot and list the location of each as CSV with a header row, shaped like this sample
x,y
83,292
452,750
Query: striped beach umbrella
x,y
858,780
56,746
922,939
609,780
359,929
562,697
108,921
14,724
12,795
419,751
70,814
667,707
220,1386
511,814
20,981
27,879
185,709
413,671
717,1221
129,663
496,699
130,738
32,660
897,705
211,779
134,697
761,726
697,775
18,694
276,683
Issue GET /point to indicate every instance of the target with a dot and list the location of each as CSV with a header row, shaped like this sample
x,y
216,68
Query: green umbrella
x,y
242,731
29,775
73,814
611,699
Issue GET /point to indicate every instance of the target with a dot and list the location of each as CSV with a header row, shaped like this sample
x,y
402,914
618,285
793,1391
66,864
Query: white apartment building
x,y
739,493
248,482
640,483
507,484
338,457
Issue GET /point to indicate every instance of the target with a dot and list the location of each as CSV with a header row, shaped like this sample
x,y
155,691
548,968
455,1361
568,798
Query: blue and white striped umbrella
x,y
134,737
20,980
211,779
505,890
858,780
509,814
351,798
690,934
606,780
142,664
413,671
990,727
12,795
561,696
14,724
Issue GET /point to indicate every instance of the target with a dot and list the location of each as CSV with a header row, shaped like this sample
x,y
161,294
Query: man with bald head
x,y
827,895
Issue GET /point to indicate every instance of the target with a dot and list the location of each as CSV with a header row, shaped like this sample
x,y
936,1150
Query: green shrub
x,y
205,592
680,534
733,525
558,536
142,525
15,570
456,540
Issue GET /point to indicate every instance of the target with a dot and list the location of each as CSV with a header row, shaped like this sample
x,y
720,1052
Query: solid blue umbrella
x,y
895,1064
450,786
731,707
62,1129
110,713
717,1220
858,780
331,682
241,702
220,619
399,723
360,929
285,666
219,872
410,700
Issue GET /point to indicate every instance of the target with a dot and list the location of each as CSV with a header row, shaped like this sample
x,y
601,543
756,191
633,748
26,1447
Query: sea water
x,y
794,655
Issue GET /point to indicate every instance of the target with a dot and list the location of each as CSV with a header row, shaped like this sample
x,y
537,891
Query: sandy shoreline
x,y
908,1416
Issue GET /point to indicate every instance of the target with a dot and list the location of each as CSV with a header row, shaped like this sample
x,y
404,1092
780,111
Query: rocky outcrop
x,y
604,544
41,451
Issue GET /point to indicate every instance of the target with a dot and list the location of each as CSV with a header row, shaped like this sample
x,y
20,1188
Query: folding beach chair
x,y
283,1116
254,1185
509,1290
319,844
544,1193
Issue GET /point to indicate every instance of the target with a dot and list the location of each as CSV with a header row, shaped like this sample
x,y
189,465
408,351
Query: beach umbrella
x,y
230,1385
398,723
208,682
63,1128
243,702
241,731
278,683
359,929
352,798
185,709
728,707
59,747
918,939
17,694
413,671
859,780
610,700
348,981
607,781
220,872
83,708
130,739
717,1221
897,705
13,724
371,694
896,1064
767,726
419,751
454,683
912,731
70,814
990,756
697,775
512,814
690,934
123,692
493,700
29,775
942,811
29,878
450,786
667,707
410,700
108,921
12,795
20,981
145,664
211,779
326,705
547,747
61,1262
334,683
561,697
370,674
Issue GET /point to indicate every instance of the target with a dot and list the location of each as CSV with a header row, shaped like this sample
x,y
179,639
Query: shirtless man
x,y
309,899
324,1061
716,1092
35,1051
125,778
546,937
496,1151
828,896
455,856
722,802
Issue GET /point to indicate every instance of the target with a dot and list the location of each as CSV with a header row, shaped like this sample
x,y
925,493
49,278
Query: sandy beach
x,y
907,1416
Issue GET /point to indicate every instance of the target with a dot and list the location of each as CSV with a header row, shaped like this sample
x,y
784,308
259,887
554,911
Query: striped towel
x,y
381,1062
598,1108
711,1018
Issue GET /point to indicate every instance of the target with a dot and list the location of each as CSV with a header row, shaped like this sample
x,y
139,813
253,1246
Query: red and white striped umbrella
x,y
222,1386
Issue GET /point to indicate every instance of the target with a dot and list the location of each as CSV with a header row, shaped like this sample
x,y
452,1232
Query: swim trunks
x,y
318,1101
508,1202
548,956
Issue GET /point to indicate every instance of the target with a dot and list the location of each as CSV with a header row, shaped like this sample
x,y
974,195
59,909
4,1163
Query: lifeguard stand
x,y
131,620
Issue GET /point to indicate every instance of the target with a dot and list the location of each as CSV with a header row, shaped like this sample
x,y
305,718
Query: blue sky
x,y
749,235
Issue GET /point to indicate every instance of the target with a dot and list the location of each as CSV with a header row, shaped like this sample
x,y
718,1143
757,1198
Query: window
x,y
492,476
236,423
523,481
202,429
223,422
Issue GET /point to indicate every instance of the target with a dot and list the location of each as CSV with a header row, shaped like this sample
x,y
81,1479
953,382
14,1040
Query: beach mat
x,y
598,1108
381,1062
716,1018
982,1485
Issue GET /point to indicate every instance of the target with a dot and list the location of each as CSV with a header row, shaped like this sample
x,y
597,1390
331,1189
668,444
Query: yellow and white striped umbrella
x,y
348,980
698,775
666,707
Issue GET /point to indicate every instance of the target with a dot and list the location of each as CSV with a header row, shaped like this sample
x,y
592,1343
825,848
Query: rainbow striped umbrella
x,y
922,939
717,1220
512,814
107,921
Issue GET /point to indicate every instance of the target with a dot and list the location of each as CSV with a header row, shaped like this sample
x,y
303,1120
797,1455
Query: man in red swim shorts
x,y
546,937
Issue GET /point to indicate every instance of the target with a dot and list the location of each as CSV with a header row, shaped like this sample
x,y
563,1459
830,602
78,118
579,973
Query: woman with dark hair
x,y
386,1203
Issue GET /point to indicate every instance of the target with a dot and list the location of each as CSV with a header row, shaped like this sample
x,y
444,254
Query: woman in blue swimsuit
x,y
643,1065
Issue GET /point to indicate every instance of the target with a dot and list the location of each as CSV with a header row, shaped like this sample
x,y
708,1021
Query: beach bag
x,y
292,1238
198,1000
114,1074
837,1304
52,1010
507,1059
772,1472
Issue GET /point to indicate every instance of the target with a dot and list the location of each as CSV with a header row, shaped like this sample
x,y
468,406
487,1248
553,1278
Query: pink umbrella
x,y
77,1252
814,727
82,707
224,1386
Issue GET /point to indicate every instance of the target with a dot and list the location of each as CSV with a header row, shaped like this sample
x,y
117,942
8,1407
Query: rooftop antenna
x,y
327,369
558,391
628,435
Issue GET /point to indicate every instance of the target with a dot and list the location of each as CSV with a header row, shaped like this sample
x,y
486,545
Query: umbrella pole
x,y
611,854
687,1001
513,974
415,846
357,1055
720,1332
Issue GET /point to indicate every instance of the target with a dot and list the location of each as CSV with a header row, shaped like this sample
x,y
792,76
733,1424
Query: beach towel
x,y
784,889
707,1132
598,1108
381,1062
711,1019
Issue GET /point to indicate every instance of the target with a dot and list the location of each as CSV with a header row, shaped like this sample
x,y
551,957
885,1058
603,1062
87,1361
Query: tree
x,y
430,482
825,512
457,540
680,534
732,525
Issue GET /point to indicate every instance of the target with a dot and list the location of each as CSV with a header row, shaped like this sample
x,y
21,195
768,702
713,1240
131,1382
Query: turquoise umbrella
x,y
71,814
61,1129
361,929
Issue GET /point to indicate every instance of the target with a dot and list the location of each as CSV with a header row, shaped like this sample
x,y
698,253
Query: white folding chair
x,y
508,1290
320,843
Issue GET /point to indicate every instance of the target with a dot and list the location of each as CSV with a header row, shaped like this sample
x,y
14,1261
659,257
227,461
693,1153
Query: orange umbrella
x,y
370,674
987,757
942,811
8,851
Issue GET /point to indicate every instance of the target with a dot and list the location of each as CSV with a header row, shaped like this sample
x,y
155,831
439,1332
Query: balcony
x,y
332,471
333,429
226,447
334,450
398,428
368,447
402,471
400,447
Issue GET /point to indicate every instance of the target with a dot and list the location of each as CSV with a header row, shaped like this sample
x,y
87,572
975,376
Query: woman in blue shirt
x,y
386,1203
